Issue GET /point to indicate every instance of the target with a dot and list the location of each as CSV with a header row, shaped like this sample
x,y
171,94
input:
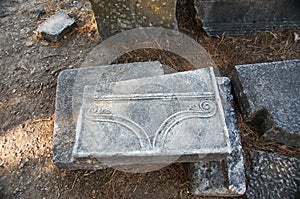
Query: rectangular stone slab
x,y
225,177
170,118
69,93
240,17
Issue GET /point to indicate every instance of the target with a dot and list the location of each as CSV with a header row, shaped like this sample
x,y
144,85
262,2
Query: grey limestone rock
x,y
69,92
269,96
273,176
114,16
240,17
225,177
164,119
55,27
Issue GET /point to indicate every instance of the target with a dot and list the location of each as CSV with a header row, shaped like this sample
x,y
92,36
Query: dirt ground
x,y
29,68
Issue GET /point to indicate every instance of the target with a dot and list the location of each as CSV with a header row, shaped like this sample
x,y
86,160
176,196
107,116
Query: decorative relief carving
x,y
206,106
95,110
204,109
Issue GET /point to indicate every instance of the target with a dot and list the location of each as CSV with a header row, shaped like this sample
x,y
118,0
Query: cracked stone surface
x,y
271,175
69,98
225,177
268,96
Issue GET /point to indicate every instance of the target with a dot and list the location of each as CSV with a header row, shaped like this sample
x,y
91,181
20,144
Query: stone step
x,y
158,120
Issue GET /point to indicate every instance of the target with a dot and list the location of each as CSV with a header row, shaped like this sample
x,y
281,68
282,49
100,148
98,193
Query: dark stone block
x,y
268,96
273,176
114,16
240,17
226,177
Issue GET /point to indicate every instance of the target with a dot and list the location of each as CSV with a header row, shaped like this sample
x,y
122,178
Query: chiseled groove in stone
x,y
154,96
225,177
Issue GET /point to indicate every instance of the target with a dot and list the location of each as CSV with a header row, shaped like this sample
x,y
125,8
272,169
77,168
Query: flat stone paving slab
x,y
170,118
240,17
225,177
269,96
69,92
114,16
271,175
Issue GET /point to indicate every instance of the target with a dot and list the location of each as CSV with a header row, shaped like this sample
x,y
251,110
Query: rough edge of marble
x,y
230,172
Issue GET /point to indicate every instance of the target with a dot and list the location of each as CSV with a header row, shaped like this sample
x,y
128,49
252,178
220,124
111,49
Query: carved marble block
x,y
164,119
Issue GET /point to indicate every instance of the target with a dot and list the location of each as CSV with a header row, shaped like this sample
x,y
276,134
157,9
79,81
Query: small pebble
x,y
44,43
29,43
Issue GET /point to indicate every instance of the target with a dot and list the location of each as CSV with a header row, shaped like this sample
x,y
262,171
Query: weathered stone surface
x,y
225,177
239,17
268,96
113,16
170,118
54,28
273,176
70,87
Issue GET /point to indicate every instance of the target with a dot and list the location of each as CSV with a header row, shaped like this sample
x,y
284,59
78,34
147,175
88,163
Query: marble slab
x,y
164,119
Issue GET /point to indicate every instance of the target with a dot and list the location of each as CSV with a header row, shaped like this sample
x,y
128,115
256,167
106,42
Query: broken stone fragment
x,y
54,28
268,96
